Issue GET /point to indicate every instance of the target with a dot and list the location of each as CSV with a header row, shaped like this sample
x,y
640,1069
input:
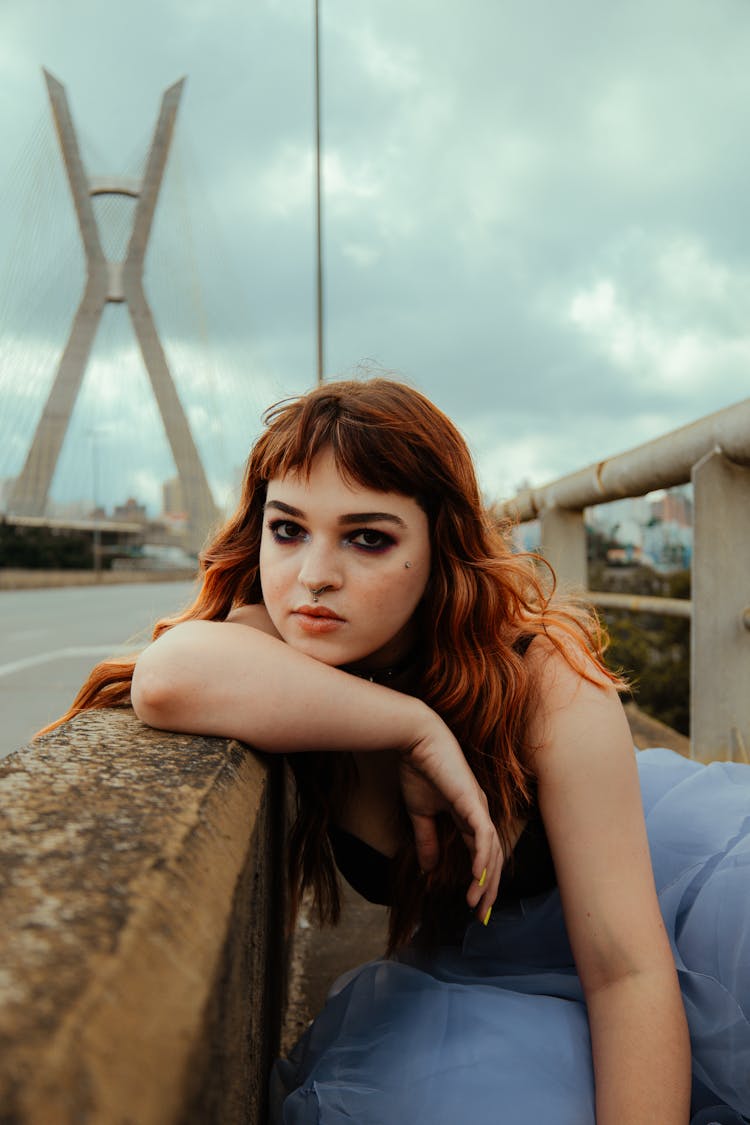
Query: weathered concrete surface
x,y
140,947
320,956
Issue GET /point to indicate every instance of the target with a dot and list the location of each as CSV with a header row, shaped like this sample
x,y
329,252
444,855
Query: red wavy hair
x,y
480,599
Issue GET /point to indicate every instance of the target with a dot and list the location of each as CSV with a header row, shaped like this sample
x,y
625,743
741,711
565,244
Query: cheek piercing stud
x,y
407,566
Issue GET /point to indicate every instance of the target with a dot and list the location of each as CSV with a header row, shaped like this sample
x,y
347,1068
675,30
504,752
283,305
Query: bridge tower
x,y
116,281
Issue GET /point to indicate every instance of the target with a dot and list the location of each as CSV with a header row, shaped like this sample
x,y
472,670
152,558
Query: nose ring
x,y
315,594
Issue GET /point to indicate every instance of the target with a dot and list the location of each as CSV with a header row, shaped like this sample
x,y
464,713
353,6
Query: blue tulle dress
x,y
497,1031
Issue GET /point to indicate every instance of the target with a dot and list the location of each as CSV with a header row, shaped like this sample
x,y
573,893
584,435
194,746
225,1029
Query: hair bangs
x,y
367,447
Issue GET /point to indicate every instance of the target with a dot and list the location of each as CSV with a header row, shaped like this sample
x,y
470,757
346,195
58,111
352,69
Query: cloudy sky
x,y
537,212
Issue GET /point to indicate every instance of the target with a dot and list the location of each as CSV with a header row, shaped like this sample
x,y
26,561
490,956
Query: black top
x,y
370,872
530,870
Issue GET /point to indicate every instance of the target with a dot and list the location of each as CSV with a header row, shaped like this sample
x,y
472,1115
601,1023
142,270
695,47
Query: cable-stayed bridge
x,y
117,390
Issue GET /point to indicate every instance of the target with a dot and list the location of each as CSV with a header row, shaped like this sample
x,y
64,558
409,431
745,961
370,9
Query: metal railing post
x,y
720,636
716,451
564,546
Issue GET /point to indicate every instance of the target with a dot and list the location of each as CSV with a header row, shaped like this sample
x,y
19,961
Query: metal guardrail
x,y
713,453
662,463
641,603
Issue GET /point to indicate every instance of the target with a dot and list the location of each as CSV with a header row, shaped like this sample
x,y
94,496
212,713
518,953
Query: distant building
x,y
656,531
668,545
173,506
130,512
673,508
173,502
635,531
73,510
668,536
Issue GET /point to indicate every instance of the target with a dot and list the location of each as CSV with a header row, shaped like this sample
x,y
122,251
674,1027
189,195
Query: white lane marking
x,y
62,653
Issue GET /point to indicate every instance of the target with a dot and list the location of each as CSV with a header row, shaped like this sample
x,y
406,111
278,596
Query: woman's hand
x,y
435,777
231,680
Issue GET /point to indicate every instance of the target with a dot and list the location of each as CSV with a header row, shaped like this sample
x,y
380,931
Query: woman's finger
x,y
426,840
484,886
484,906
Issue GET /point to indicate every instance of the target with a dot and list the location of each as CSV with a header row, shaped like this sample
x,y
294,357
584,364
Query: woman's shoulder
x,y
255,616
573,694
561,664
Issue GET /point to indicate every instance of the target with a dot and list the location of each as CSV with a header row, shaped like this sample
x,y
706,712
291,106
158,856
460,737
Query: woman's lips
x,y
317,619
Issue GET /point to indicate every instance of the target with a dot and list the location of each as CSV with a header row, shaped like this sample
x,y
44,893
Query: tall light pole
x,y
93,434
318,207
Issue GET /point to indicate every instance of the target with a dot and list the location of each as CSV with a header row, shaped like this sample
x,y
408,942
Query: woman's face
x,y
356,542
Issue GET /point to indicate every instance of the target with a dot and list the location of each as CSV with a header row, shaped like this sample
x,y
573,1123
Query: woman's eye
x,y
286,531
371,540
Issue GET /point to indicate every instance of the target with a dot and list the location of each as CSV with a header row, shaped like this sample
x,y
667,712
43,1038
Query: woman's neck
x,y
402,675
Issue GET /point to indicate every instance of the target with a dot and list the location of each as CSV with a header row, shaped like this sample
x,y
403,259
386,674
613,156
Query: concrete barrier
x,y
142,958
15,579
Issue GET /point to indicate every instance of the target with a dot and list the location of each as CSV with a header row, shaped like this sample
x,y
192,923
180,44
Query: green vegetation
x,y
651,650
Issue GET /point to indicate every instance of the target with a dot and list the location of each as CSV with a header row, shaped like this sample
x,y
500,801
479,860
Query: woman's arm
x,y
590,800
235,681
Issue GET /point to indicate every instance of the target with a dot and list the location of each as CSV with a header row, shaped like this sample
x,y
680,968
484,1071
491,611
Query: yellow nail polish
x,y
483,880
486,918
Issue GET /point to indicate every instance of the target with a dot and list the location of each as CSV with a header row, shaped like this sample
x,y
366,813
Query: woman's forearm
x,y
233,681
225,679
641,1051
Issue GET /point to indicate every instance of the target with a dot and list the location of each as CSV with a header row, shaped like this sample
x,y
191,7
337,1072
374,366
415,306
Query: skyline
x,y
537,218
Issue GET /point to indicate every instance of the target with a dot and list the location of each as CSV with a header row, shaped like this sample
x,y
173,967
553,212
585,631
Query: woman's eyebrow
x,y
371,517
344,521
282,507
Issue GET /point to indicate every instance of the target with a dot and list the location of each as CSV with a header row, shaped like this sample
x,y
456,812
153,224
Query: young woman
x,y
458,745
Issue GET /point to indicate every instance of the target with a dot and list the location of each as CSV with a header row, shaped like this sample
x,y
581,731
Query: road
x,y
50,639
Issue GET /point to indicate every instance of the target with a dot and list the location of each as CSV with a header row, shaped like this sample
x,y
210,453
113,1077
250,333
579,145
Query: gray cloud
x,y
535,212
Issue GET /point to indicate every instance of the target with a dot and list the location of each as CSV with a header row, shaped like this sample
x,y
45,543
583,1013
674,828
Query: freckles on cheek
x,y
382,596
392,602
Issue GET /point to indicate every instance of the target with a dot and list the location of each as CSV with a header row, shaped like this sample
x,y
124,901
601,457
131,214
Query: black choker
x,y
388,677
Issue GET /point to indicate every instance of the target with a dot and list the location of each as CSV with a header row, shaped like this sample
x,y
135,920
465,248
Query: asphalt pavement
x,y
51,638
